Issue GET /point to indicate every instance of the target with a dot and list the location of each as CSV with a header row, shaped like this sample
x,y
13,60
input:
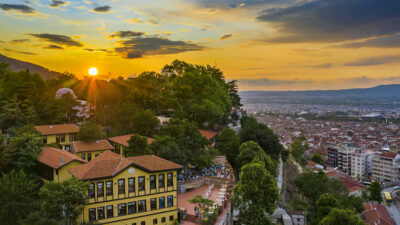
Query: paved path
x,y
280,174
393,209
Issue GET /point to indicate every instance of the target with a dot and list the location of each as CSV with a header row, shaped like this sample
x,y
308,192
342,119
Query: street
x,y
393,209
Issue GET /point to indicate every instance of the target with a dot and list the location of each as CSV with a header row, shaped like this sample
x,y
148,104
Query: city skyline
x,y
265,44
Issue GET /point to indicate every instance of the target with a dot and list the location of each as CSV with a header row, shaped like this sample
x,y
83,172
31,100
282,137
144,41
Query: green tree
x,y
298,147
313,185
144,122
227,143
251,152
256,193
36,218
18,196
317,158
137,146
90,132
167,148
66,104
342,217
324,205
375,192
354,203
22,152
260,133
208,215
191,143
63,201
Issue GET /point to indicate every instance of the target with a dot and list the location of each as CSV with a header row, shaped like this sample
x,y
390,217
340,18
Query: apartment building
x,y
341,158
64,134
361,164
139,190
386,167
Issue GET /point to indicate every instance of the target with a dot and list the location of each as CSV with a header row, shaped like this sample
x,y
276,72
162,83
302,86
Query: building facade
x,y
138,190
361,165
88,150
54,164
64,134
386,167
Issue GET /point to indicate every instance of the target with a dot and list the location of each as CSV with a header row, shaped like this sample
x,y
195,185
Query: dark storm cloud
x,y
57,3
125,34
19,41
271,82
58,39
392,41
57,47
21,52
226,36
334,20
17,7
374,61
102,9
137,47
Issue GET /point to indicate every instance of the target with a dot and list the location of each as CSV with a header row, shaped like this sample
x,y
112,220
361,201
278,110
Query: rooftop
x,y
57,129
390,155
123,139
88,146
208,134
377,214
56,158
109,164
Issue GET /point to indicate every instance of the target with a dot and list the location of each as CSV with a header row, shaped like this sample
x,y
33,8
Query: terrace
x,y
217,188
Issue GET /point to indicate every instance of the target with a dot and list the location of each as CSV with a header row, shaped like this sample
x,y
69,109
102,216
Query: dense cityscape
x,y
199,112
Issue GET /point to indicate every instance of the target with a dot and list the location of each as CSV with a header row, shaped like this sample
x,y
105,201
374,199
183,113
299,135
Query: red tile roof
x,y
89,146
56,158
109,164
351,185
57,129
377,214
208,134
123,140
390,155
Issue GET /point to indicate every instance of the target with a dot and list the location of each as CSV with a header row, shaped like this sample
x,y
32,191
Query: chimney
x,y
51,126
97,141
62,160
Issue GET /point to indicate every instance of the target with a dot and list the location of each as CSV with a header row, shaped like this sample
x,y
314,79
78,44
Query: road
x,y
393,209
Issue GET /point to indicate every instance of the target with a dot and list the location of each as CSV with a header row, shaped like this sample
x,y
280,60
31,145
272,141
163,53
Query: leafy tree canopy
x,y
227,143
63,201
137,146
90,132
256,193
260,133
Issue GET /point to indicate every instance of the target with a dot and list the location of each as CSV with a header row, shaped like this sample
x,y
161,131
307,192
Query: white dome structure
x,y
62,91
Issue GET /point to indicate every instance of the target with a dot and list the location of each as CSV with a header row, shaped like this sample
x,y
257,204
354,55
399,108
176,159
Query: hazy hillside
x,y
17,65
392,90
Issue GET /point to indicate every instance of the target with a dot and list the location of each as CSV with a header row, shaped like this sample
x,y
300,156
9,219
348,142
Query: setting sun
x,y
93,71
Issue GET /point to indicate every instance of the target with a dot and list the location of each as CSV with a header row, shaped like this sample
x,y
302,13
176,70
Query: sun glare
x,y
93,71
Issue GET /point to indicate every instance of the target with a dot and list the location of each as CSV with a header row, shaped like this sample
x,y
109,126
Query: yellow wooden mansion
x,y
139,190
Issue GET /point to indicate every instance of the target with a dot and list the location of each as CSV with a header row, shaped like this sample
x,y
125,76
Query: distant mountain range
x,y
18,65
391,90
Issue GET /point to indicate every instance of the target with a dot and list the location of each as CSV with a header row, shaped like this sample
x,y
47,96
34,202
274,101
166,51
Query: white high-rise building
x,y
386,167
361,164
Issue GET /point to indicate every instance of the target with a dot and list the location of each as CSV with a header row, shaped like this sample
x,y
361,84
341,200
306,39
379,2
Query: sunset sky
x,y
265,44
